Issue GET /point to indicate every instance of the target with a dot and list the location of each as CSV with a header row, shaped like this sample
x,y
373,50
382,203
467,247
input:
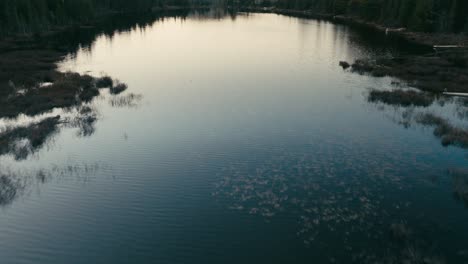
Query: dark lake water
x,y
239,140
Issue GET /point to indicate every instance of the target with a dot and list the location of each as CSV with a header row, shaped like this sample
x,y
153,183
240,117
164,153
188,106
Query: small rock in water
x,y
344,64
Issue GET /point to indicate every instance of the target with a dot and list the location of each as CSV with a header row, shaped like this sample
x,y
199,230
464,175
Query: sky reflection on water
x,y
248,143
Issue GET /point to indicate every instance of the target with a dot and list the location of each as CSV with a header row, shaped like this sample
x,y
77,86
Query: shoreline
x,y
57,29
29,60
58,41
434,71
26,60
428,40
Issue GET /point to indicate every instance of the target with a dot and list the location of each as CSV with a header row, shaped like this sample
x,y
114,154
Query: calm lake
x,y
240,139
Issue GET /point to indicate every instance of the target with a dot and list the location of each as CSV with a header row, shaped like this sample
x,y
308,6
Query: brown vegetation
x,y
67,89
32,137
449,134
129,100
104,82
9,189
434,73
460,185
30,83
344,64
401,98
118,88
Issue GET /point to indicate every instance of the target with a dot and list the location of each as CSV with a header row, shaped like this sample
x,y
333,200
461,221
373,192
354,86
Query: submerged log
x,y
387,30
447,46
456,94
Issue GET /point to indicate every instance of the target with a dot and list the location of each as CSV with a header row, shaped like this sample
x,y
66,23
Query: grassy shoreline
x,y
417,38
27,61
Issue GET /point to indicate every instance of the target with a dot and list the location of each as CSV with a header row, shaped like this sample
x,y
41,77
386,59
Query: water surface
x,y
239,140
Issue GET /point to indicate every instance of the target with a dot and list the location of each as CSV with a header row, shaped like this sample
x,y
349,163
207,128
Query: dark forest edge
x,y
441,16
447,16
26,17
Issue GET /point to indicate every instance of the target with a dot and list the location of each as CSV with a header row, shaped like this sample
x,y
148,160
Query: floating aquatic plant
x,y
460,184
401,97
118,88
24,140
129,100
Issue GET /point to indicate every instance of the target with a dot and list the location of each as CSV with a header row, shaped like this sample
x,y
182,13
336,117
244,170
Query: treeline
x,y
418,15
29,16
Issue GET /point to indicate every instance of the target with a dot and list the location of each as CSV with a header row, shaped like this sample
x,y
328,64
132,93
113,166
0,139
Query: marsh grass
x,y
118,88
129,100
449,134
460,185
401,98
400,232
26,64
24,140
433,73
16,183
104,81
304,187
344,64
67,89
10,188
85,120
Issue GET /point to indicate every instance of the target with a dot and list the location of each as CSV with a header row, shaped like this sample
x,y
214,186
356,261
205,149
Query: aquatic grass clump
x,y
129,100
67,90
118,88
104,82
401,98
433,73
85,120
461,108
415,255
363,66
14,184
344,64
25,66
9,189
449,134
309,187
400,232
22,141
460,185
329,208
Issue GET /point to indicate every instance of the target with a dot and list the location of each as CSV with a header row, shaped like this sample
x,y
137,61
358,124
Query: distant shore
x,y
435,71
419,38
29,60
92,22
